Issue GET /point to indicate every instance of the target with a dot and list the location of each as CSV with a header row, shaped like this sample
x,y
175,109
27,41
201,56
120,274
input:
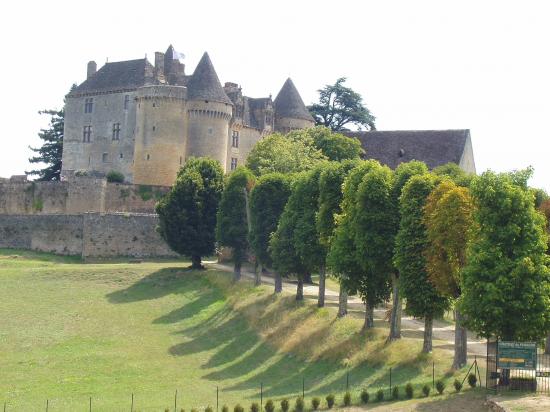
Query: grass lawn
x,y
70,331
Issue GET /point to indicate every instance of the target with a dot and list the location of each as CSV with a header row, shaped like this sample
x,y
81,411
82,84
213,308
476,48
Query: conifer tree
x,y
187,214
51,151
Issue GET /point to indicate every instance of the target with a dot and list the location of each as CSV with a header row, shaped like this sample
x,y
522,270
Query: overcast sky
x,y
480,65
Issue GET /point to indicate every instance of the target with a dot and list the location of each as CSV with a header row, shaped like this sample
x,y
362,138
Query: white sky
x,y
482,65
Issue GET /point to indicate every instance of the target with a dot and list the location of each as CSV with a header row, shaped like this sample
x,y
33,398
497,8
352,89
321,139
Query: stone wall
x,y
77,195
90,235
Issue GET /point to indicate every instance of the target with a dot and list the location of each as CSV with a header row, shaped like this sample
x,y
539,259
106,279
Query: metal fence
x,y
499,379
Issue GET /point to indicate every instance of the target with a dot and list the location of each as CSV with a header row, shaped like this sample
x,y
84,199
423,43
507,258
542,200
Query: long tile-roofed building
x,y
434,147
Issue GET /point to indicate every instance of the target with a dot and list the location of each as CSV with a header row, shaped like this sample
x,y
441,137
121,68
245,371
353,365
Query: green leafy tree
x,y
375,222
342,255
544,207
423,299
232,220
187,214
340,106
335,146
51,151
267,201
402,174
454,173
278,153
506,281
331,180
448,220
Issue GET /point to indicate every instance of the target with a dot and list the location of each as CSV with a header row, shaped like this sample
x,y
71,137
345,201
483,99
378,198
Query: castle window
x,y
116,131
121,156
181,160
268,118
154,127
126,101
235,139
105,157
210,130
88,105
148,156
233,163
87,134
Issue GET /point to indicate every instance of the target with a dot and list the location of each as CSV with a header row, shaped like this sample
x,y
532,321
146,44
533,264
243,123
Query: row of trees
x,y
307,204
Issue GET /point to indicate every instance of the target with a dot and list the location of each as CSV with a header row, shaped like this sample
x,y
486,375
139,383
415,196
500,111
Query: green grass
x,y
70,331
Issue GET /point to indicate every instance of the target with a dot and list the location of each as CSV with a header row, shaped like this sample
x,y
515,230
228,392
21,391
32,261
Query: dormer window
x,y
235,139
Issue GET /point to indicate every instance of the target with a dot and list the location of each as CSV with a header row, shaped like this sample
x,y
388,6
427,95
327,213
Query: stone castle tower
x,y
145,121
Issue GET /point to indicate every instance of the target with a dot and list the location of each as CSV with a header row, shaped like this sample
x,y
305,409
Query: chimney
x,y
92,68
159,66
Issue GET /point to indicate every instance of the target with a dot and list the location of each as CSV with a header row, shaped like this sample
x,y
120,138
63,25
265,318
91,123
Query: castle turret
x,y
209,112
161,134
290,111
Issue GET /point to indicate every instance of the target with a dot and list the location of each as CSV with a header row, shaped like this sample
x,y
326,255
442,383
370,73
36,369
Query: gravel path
x,y
410,327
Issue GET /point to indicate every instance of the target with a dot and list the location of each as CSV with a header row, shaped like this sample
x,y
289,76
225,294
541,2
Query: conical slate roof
x,y
288,103
204,83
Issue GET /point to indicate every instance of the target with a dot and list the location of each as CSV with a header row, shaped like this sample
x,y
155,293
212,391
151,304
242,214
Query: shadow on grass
x,y
40,256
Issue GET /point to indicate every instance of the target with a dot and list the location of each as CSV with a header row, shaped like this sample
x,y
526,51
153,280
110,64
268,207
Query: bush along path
x,y
441,330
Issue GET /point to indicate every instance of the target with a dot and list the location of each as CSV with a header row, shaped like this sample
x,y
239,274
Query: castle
x,y
144,121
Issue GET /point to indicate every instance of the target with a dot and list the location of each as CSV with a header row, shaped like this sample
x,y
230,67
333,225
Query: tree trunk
x,y
278,283
300,289
307,278
196,262
547,346
342,303
237,271
428,330
395,319
461,342
322,276
369,316
258,274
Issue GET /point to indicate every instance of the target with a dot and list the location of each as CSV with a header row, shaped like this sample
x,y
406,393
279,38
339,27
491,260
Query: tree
x,y
454,173
232,222
286,260
187,214
334,146
506,281
51,151
342,255
423,299
330,196
544,207
402,174
278,153
375,222
448,220
267,201
340,106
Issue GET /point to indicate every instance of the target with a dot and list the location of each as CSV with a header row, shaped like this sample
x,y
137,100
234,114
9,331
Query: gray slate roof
x,y
123,75
204,84
288,103
434,147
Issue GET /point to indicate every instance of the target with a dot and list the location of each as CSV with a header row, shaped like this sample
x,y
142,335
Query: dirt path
x,y
410,327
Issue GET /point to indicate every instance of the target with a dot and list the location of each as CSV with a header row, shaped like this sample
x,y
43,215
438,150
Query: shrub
x,y
364,396
409,391
472,380
115,177
166,409
194,410
440,386
238,408
347,399
285,405
269,406
426,390
182,410
254,407
458,385
208,409
299,404
225,408
330,401
395,392
379,395
315,402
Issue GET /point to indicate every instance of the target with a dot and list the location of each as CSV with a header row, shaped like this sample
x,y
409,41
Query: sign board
x,y
517,355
